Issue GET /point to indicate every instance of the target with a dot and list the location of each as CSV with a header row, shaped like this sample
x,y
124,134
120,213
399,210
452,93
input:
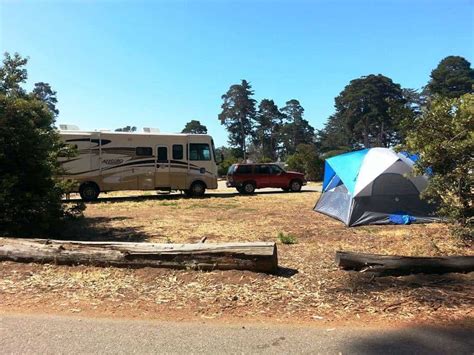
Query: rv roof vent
x,y
151,130
68,127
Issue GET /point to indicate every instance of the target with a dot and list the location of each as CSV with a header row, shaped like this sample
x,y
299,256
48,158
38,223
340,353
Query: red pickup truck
x,y
248,177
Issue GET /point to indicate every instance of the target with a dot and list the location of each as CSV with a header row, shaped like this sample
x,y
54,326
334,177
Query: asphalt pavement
x,y
46,334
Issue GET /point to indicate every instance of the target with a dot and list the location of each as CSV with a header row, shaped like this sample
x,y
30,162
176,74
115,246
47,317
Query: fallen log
x,y
384,265
259,256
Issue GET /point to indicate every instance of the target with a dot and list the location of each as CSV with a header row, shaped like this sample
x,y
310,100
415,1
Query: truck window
x,y
177,151
262,169
231,169
143,151
275,169
199,151
162,154
244,169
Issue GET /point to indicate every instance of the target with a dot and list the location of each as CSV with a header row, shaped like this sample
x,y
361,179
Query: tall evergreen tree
x,y
267,129
296,130
372,108
194,127
334,138
453,77
238,112
44,92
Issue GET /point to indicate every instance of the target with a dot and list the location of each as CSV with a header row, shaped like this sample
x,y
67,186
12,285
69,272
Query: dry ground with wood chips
x,y
309,288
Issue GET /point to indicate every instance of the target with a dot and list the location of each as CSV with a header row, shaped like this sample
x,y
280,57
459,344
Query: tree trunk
x,y
403,265
243,139
259,257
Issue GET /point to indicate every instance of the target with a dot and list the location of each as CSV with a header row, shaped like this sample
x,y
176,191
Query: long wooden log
x,y
403,265
259,257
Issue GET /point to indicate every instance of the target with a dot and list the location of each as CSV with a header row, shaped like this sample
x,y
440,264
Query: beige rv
x,y
112,161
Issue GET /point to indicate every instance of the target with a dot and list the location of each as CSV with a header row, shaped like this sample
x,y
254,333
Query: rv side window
x,y
177,151
143,151
162,154
198,151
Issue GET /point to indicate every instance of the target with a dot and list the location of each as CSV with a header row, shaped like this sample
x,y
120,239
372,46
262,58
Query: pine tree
x,y
238,113
453,77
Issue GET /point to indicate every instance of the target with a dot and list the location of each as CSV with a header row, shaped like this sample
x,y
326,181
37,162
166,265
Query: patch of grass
x,y
248,209
287,238
166,203
221,206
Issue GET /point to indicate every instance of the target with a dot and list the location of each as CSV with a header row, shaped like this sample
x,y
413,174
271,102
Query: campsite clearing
x,y
309,287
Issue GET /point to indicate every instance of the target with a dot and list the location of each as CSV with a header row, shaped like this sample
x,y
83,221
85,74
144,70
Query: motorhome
x,y
112,161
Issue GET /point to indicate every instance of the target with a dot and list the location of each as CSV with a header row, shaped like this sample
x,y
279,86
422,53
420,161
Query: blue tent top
x,y
346,166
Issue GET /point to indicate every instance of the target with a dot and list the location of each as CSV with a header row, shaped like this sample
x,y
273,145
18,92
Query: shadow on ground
x,y
432,291
99,229
286,272
452,339
178,196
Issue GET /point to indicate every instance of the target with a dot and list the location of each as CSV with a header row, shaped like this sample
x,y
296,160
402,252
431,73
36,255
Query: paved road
x,y
21,334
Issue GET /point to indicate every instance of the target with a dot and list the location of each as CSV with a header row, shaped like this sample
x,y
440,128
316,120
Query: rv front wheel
x,y
89,191
197,189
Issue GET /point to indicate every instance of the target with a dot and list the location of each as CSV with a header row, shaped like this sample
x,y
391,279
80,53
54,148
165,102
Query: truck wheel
x,y
295,186
248,188
89,191
197,189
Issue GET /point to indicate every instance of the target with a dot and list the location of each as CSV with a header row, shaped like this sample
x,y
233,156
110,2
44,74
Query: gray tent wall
x,y
336,203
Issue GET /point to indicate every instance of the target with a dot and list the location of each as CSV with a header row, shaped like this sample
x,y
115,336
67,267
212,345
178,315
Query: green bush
x,y
30,195
306,161
444,138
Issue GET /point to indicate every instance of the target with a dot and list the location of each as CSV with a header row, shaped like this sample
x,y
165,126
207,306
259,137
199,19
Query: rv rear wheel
x,y
197,189
89,191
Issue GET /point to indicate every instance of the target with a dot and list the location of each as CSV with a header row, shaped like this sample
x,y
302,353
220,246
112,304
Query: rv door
x,y
95,150
162,172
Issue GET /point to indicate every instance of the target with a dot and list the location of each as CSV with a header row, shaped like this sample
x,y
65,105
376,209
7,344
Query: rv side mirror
x,y
222,158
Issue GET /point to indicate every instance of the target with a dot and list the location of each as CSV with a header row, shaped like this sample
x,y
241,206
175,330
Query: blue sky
x,y
163,63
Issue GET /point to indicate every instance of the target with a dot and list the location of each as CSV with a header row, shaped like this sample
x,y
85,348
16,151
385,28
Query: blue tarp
x,y
401,217
346,166
412,157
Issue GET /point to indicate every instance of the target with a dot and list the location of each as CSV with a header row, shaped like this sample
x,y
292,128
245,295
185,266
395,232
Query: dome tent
x,y
373,186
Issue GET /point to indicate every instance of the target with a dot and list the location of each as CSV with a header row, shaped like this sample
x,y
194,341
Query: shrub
x,y
306,161
30,195
444,139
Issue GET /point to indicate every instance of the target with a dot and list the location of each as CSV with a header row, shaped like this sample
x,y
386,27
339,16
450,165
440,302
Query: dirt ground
x,y
309,287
